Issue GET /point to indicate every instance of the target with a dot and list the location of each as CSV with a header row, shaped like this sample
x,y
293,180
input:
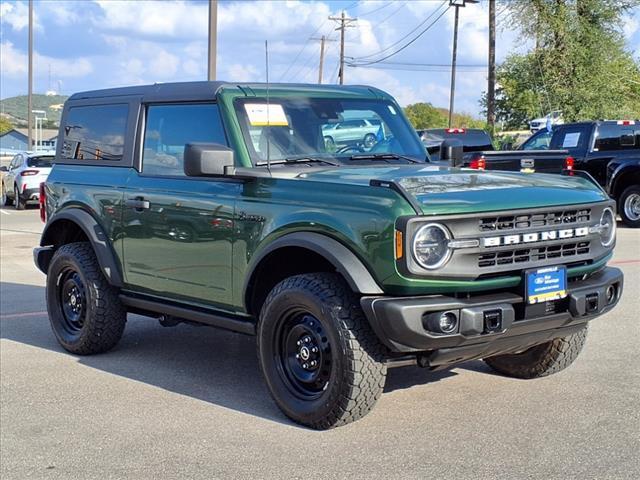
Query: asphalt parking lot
x,y
189,402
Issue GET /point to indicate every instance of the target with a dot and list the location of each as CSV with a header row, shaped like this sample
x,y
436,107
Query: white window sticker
x,y
571,140
262,115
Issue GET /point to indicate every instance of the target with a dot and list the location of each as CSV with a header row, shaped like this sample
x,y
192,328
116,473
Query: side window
x,y
15,162
170,127
572,138
540,141
616,137
95,132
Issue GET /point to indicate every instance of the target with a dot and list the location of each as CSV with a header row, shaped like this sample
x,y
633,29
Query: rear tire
x,y
323,364
629,206
17,201
85,312
540,360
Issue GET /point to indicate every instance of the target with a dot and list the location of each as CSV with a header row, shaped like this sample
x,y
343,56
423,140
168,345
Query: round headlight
x,y
431,246
607,227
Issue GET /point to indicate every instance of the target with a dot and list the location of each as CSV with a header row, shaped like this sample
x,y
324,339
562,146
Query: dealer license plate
x,y
546,284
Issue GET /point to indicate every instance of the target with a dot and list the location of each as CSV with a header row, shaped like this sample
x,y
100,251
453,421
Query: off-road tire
x,y
104,315
622,200
541,360
357,369
17,201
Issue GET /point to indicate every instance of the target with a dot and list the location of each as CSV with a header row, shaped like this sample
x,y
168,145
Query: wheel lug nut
x,y
307,340
297,355
313,363
305,365
311,324
298,343
314,349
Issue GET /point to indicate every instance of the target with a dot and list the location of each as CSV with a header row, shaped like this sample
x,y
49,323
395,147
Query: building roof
x,y
47,133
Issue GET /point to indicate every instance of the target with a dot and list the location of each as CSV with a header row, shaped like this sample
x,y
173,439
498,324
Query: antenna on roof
x,y
266,58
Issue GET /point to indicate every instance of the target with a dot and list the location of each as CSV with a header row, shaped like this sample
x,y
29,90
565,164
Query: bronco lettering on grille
x,y
535,237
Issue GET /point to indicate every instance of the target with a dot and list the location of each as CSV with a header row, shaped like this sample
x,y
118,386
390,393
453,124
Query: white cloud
x,y
15,14
163,65
15,63
241,73
630,26
177,19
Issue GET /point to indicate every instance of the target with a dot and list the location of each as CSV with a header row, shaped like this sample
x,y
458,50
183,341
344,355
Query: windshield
x,y
325,128
39,162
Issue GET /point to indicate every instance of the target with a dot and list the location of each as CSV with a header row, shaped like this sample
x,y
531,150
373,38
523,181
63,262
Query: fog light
x,y
611,294
448,322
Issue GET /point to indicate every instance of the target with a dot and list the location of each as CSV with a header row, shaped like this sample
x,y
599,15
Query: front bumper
x,y
401,323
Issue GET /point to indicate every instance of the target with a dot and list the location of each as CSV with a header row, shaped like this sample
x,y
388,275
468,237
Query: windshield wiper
x,y
383,156
298,159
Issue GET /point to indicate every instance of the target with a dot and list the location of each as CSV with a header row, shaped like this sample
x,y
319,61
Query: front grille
x,y
534,220
526,255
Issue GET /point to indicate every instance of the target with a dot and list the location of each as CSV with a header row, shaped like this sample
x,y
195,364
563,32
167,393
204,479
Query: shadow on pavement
x,y
204,363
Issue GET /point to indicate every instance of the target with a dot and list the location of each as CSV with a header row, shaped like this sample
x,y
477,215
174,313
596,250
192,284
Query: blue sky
x,y
89,44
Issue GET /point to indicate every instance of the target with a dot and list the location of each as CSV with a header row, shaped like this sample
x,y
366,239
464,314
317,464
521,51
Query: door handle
x,y
138,203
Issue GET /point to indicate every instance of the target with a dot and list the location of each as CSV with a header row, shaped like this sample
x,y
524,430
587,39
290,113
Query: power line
x,y
375,9
397,42
352,64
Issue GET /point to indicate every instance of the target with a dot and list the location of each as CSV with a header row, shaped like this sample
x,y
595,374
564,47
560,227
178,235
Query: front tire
x,y
629,206
541,360
323,364
85,312
6,201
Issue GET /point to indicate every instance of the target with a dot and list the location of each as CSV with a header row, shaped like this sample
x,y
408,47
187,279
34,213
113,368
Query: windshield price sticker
x,y
263,115
546,284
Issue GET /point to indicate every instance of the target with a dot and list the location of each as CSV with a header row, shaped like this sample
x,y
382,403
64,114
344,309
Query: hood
x,y
443,190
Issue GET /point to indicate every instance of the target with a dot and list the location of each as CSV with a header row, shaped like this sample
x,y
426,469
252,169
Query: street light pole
x,y
30,88
457,4
213,39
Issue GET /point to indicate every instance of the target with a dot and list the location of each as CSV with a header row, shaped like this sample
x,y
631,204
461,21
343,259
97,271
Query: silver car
x,y
21,181
362,131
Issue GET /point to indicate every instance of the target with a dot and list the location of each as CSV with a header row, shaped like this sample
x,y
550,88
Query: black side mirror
x,y
4,168
506,146
452,152
207,159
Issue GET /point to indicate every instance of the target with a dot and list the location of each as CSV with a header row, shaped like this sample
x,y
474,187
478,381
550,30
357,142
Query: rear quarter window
x,y
95,132
617,137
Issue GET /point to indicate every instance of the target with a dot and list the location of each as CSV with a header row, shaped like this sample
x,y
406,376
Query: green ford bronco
x,y
240,206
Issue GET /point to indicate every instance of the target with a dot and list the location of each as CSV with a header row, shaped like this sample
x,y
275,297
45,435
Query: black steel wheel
x,y
323,364
85,311
303,355
73,300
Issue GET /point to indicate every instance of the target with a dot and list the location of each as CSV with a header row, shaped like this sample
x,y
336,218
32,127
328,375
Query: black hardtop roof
x,y
207,90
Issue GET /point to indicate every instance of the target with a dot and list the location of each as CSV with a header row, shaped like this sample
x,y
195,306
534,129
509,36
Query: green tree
x,y
5,125
579,64
425,115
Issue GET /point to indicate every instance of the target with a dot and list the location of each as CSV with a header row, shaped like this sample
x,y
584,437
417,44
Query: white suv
x,y
21,181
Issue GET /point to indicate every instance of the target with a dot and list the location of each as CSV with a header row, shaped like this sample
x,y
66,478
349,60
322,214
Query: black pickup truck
x,y
588,146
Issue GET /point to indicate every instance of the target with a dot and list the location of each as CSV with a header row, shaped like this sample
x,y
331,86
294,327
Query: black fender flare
x,y
344,260
97,237
632,166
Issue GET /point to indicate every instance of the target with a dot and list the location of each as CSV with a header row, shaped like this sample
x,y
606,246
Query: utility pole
x,y
213,39
491,88
323,40
30,94
345,22
457,4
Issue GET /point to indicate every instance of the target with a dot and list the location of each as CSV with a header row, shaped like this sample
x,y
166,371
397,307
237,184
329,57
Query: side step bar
x,y
193,315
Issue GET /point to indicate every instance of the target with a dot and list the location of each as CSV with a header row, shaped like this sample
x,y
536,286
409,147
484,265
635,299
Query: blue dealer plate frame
x,y
545,284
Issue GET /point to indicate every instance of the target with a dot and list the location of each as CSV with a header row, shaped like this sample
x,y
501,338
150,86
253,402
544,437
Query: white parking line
x,y
5,212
